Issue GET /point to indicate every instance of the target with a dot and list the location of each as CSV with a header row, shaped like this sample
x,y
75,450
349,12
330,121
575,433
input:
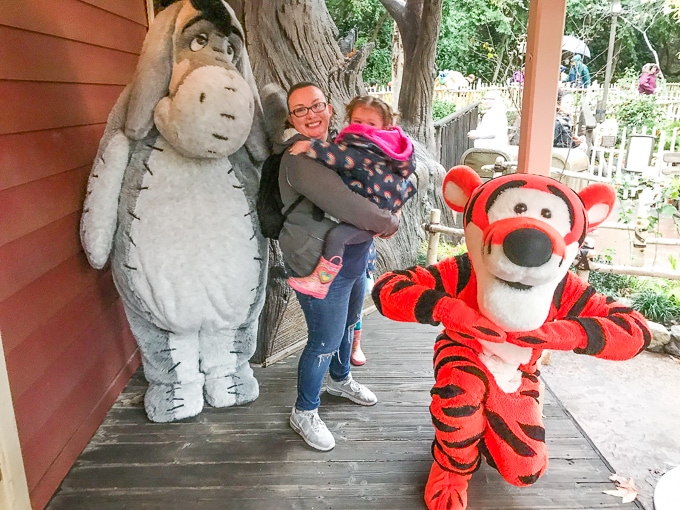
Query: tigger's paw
x,y
446,490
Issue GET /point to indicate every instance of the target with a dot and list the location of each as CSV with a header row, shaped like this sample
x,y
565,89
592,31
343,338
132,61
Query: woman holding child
x,y
330,321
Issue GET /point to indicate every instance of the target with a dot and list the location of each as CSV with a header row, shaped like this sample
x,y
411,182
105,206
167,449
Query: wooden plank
x,y
29,257
134,10
66,61
32,106
249,457
28,310
31,156
27,208
77,21
34,357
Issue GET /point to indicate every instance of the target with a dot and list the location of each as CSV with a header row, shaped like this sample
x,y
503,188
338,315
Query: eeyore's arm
x,y
100,211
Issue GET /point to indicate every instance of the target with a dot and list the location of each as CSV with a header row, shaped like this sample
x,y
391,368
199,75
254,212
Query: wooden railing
x,y
451,134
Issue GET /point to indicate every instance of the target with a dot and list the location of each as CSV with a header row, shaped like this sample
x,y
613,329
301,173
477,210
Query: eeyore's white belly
x,y
193,245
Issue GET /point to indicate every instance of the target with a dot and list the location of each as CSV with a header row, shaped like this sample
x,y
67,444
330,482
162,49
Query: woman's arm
x,y
325,189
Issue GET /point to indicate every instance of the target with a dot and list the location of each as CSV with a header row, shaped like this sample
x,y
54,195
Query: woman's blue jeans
x,y
330,323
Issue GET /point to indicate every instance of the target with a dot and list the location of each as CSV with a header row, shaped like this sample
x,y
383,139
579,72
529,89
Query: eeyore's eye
x,y
199,42
229,52
546,213
520,208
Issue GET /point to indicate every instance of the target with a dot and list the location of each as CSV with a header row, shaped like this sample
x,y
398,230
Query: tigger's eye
x,y
199,42
546,213
521,208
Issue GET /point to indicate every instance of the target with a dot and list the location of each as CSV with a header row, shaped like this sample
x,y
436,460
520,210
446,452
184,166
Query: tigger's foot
x,y
446,490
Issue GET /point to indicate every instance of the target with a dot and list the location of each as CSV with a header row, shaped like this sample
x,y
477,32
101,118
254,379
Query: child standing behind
x,y
374,158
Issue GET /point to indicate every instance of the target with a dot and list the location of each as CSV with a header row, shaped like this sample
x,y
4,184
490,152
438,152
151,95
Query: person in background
x,y
563,136
647,81
330,322
579,74
492,131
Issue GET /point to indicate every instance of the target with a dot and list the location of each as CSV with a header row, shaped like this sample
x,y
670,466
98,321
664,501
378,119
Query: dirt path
x,y
629,409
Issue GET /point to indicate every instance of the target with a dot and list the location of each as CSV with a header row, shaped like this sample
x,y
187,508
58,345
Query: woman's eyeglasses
x,y
316,108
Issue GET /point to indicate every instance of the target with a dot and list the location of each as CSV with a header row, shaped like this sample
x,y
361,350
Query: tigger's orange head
x,y
522,233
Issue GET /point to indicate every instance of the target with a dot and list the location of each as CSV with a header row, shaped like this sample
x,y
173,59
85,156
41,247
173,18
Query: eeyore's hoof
x,y
171,402
230,390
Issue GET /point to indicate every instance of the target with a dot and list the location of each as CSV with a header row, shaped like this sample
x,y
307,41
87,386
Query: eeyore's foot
x,y
172,402
228,390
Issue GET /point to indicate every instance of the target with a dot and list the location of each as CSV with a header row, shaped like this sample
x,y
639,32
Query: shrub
x,y
638,111
657,306
441,109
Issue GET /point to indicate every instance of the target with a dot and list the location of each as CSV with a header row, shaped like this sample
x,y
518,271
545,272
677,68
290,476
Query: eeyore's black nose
x,y
528,247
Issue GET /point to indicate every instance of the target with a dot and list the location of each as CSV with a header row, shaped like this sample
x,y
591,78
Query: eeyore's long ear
x,y
152,76
256,144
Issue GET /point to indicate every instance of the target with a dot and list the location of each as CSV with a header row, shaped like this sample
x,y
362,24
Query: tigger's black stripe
x,y
487,455
425,305
620,309
531,377
609,300
478,373
468,210
556,191
622,323
581,303
530,393
448,359
487,331
375,293
471,467
531,340
439,425
530,479
403,284
535,432
438,284
559,292
465,443
646,334
501,428
448,391
594,334
500,189
460,411
464,272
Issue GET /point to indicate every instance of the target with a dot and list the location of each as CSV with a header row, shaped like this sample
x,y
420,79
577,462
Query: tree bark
x,y
290,41
418,22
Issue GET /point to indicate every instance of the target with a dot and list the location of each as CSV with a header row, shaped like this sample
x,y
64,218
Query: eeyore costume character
x,y
171,201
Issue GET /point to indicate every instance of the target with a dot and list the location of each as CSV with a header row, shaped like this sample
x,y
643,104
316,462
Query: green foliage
x,y
445,249
657,306
441,109
638,111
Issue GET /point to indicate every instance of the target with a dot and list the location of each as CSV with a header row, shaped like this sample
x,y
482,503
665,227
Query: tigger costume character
x,y
511,296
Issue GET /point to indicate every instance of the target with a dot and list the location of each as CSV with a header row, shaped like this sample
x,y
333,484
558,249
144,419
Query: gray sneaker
x,y
349,388
312,429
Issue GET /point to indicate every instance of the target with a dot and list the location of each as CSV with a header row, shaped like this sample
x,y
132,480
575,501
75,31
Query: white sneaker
x,y
312,429
349,388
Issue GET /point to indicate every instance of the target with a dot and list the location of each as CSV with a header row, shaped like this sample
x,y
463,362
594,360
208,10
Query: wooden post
x,y
433,243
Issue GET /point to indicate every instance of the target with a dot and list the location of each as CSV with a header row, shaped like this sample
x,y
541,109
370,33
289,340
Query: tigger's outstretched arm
x,y
589,323
430,296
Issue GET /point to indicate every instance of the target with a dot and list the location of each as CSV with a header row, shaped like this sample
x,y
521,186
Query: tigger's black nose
x,y
528,247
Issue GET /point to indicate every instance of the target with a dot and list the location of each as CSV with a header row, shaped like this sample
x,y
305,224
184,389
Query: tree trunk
x,y
397,67
290,41
418,22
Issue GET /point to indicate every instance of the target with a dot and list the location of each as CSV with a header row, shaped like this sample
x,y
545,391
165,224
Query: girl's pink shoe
x,y
318,283
357,358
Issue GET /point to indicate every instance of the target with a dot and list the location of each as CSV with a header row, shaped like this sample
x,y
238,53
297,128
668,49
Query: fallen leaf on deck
x,y
626,489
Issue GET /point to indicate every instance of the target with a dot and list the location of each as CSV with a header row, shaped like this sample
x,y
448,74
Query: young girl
x,y
374,158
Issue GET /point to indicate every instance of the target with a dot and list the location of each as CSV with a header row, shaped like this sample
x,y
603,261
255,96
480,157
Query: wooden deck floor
x,y
248,458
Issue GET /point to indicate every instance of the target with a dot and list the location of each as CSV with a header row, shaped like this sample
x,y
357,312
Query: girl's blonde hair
x,y
385,110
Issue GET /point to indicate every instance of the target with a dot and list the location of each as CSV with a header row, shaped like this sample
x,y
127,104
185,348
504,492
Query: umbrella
x,y
575,45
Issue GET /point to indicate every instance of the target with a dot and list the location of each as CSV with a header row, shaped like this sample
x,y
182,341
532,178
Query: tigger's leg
x,y
515,437
458,418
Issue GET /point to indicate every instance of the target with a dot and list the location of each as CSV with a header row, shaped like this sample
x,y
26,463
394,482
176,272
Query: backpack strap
x,y
292,206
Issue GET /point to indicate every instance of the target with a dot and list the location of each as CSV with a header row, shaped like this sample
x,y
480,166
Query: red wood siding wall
x,y
67,345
